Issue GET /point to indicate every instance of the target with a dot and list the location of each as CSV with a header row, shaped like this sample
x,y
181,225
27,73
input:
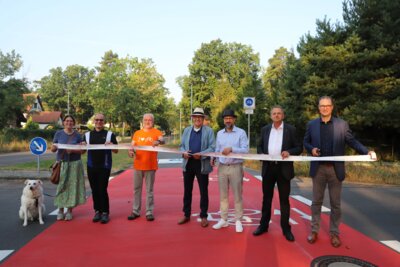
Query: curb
x,y
45,175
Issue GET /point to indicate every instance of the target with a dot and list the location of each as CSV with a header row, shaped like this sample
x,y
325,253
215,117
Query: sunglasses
x,y
99,120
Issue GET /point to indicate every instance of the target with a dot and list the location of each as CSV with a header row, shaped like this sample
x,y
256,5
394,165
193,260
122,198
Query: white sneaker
x,y
60,216
68,216
239,227
221,223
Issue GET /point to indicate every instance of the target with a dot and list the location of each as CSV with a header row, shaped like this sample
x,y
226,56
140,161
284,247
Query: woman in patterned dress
x,y
71,188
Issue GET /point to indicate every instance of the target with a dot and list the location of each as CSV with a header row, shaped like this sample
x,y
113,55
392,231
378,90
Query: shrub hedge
x,y
15,134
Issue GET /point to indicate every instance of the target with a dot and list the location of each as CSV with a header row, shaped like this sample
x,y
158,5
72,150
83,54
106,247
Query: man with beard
x,y
230,140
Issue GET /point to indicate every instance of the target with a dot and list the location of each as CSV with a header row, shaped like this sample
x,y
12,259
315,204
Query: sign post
x,y
38,146
249,104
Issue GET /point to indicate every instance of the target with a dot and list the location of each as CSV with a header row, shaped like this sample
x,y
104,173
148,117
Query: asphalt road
x,y
370,209
8,159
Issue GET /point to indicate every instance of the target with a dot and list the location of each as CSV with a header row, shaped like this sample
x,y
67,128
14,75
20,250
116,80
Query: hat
x,y
228,112
198,112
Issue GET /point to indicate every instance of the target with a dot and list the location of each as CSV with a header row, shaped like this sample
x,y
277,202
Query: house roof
x,y
32,95
46,117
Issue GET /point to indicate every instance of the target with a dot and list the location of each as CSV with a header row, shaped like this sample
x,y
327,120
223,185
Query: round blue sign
x,y
38,146
249,102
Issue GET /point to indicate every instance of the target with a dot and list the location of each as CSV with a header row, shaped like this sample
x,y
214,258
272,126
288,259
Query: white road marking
x,y
393,244
302,214
258,177
5,253
169,161
309,202
278,212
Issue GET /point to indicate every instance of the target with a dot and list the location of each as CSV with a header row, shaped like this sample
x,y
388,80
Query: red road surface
x,y
162,242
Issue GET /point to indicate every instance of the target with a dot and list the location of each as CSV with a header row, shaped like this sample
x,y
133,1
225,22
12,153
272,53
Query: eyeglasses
x,y
99,120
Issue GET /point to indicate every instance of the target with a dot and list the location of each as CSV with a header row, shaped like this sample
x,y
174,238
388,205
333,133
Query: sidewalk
x,y
18,174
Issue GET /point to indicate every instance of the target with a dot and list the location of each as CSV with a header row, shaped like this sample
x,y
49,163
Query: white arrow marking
x,y
302,214
278,212
393,244
309,202
5,253
38,148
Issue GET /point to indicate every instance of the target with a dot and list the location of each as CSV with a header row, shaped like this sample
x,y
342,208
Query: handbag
x,y
55,172
56,167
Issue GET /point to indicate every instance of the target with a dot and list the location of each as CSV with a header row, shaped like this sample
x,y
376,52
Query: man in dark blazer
x,y
327,136
277,139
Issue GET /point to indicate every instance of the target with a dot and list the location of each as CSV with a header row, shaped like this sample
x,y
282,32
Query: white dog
x,y
32,202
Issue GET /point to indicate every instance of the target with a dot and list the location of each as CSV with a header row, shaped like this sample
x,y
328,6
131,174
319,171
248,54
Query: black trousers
x,y
98,179
272,176
193,168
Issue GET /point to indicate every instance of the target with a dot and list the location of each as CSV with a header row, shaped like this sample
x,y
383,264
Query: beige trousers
x,y
230,175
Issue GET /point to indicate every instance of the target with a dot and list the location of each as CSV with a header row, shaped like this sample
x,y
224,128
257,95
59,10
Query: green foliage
x,y
221,75
31,125
75,80
14,134
358,64
11,90
129,87
10,63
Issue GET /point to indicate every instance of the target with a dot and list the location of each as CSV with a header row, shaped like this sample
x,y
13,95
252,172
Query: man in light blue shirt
x,y
230,140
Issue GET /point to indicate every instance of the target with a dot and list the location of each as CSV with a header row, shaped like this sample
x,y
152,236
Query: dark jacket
x,y
290,143
341,135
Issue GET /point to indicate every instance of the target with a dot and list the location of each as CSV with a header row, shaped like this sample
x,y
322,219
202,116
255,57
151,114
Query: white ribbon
x,y
263,157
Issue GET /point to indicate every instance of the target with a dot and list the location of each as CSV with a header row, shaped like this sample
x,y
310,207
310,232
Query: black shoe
x,y
97,217
133,216
104,218
150,217
289,236
260,230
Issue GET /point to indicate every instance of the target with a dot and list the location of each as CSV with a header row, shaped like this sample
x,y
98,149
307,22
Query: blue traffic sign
x,y
249,103
38,146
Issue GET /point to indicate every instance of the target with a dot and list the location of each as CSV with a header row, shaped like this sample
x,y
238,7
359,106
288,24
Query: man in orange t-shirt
x,y
145,166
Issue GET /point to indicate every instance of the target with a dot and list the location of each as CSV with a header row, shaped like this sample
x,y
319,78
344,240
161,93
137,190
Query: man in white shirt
x,y
277,140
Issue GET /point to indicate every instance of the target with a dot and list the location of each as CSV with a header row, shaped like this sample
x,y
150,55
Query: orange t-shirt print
x,y
145,160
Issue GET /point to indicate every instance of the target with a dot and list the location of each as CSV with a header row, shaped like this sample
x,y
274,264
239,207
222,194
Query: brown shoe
x,y
204,222
184,220
312,238
335,241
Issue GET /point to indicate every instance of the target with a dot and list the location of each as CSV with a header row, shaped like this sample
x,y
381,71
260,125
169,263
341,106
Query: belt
x,y
327,164
273,162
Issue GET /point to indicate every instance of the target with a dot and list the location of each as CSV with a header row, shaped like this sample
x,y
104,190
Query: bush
x,y
30,125
14,134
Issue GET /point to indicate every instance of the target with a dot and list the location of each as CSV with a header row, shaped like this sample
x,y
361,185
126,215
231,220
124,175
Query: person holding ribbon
x,y
196,139
280,140
71,188
327,136
230,140
99,163
145,165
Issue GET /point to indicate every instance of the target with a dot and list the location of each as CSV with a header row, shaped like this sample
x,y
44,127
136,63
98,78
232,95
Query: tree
x,y
10,63
221,74
11,90
75,82
273,77
356,63
126,88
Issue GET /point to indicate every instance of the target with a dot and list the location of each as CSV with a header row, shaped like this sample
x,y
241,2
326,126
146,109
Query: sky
x,y
49,34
